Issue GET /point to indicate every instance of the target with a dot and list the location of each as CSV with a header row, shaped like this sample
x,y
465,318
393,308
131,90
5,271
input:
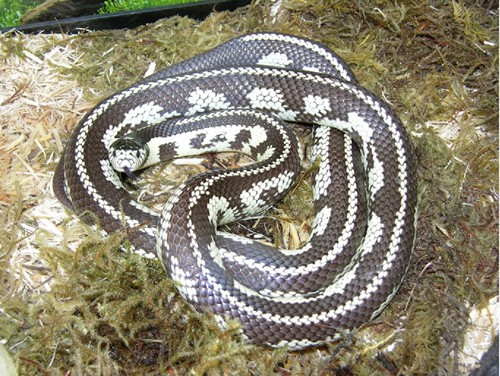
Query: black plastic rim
x,y
130,19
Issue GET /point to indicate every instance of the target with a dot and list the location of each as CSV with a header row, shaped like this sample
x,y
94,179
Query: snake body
x,y
363,233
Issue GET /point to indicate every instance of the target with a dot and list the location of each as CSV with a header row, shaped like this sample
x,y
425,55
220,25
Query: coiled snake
x,y
362,236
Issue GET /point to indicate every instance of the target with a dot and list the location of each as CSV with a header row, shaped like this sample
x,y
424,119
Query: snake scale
x,y
237,97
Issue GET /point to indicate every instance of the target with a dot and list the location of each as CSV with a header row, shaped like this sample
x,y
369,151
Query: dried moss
x,y
113,313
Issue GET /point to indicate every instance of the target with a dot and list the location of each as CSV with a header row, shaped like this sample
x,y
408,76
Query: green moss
x,y
111,6
111,311
11,11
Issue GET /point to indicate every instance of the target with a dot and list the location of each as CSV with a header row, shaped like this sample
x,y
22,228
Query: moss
x,y
113,313
13,46
11,11
112,6
116,312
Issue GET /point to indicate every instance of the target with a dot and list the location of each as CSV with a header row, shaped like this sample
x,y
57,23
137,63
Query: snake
x,y
245,95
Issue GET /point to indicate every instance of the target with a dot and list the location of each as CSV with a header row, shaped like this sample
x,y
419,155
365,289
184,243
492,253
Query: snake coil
x,y
236,97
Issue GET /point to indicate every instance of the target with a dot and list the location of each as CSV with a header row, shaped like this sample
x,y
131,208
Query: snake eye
x,y
127,154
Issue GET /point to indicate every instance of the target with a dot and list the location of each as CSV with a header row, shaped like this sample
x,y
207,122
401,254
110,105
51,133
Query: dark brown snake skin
x,y
362,237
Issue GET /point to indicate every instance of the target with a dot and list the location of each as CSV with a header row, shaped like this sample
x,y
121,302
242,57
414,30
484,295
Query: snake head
x,y
128,154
